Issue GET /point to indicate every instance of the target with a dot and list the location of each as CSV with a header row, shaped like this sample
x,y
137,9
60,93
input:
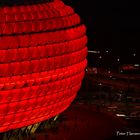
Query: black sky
x,y
116,23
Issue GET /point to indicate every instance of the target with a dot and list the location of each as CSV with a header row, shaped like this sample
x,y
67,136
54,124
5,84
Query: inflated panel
x,y
42,61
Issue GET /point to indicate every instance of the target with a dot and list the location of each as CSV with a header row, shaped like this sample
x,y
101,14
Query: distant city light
x,y
118,59
134,54
100,57
109,71
100,84
136,65
120,115
94,52
106,51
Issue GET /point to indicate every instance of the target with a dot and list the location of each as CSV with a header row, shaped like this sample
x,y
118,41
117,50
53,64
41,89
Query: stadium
x,y
43,56
61,77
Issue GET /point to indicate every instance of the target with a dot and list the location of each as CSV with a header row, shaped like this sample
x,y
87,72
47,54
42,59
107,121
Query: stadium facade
x,y
42,60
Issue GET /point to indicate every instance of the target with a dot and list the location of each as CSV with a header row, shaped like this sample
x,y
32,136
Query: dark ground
x,y
83,122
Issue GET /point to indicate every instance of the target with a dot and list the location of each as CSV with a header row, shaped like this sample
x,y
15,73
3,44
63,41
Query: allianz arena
x,y
42,60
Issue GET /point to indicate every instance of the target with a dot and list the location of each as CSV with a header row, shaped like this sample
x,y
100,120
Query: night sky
x,y
115,26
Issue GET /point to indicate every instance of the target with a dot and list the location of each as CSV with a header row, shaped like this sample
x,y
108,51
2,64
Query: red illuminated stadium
x,y
42,61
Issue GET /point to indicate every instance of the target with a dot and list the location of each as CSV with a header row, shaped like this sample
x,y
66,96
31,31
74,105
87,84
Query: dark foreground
x,y
82,122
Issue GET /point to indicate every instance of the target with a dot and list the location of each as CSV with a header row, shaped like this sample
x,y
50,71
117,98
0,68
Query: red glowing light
x,y
42,61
